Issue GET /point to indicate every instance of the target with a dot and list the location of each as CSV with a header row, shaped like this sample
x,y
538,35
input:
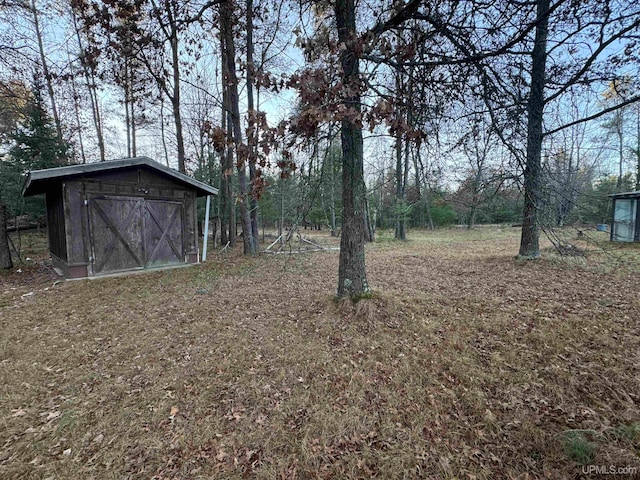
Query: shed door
x,y
163,232
116,233
624,220
129,233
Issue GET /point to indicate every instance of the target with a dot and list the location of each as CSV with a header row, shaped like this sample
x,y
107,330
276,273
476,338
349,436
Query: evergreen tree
x,y
36,143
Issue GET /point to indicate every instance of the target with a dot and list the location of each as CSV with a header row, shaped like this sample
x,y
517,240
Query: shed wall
x,y
179,245
76,222
56,223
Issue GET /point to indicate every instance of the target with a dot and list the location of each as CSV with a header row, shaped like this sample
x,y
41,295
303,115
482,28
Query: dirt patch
x,y
465,363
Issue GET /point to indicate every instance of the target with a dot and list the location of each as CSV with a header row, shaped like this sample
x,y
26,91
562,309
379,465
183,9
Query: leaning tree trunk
x,y
5,253
352,276
530,239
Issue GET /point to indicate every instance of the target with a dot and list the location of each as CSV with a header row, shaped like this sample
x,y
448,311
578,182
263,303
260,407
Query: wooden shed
x,y
626,217
119,215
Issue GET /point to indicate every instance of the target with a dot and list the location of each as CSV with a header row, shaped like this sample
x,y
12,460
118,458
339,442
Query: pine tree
x,y
36,145
36,142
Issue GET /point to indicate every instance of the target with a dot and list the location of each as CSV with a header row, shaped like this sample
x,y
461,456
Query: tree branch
x,y
594,116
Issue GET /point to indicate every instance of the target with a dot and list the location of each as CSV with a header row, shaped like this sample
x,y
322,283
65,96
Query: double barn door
x,y
134,233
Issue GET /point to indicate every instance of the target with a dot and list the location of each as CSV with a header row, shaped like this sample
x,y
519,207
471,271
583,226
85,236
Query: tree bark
x,y
76,111
530,238
400,233
619,126
253,203
127,118
352,277
230,83
637,150
45,70
175,99
5,253
132,109
227,216
369,227
162,133
92,89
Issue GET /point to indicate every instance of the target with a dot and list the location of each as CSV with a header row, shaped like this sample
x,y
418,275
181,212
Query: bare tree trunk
x,y
332,174
352,276
369,230
425,193
162,132
416,173
171,33
92,89
230,204
530,239
400,220
471,220
475,193
334,231
5,253
230,82
228,218
175,101
134,147
428,208
253,203
45,69
619,119
132,109
228,234
637,150
76,111
127,117
95,110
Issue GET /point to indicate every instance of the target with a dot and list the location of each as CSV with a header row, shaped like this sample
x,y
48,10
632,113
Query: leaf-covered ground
x,y
467,363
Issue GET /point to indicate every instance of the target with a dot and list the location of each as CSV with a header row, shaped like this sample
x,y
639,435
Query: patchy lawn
x,y
466,364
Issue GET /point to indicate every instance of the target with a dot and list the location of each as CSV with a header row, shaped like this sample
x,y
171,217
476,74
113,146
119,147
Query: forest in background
x,y
461,112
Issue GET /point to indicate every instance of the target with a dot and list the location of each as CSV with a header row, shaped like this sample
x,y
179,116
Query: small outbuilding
x,y
626,217
119,215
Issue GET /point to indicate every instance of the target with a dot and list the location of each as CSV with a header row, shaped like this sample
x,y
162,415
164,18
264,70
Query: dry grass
x,y
466,363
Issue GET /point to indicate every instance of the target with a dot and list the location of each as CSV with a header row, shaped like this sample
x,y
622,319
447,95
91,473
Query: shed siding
x,y
76,223
636,237
56,224
133,217
191,223
164,205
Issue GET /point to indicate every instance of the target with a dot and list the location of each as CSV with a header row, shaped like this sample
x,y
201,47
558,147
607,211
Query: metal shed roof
x,y
38,180
635,194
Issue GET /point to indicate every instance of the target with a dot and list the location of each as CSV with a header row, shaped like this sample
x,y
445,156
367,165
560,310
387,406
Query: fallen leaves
x,y
465,364
51,415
